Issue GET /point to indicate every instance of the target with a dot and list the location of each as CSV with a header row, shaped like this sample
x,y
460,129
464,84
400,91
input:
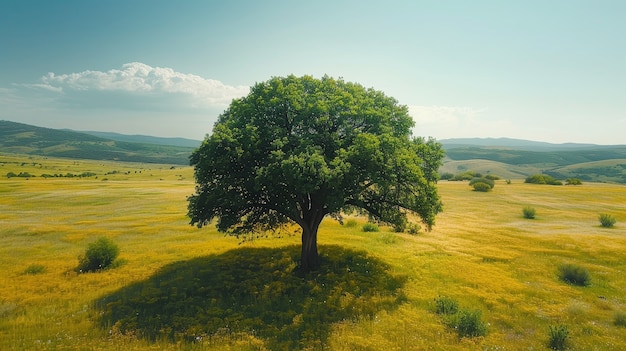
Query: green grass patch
x,y
370,295
35,269
351,223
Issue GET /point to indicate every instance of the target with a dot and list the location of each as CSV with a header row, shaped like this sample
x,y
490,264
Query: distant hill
x,y
27,139
507,158
516,144
512,158
146,139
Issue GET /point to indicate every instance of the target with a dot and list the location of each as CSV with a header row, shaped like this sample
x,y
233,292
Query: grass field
x,y
376,291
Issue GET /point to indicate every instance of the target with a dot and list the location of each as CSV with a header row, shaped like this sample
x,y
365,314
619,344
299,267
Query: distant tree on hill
x,y
298,149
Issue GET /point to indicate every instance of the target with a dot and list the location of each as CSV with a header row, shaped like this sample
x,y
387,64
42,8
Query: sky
x,y
551,71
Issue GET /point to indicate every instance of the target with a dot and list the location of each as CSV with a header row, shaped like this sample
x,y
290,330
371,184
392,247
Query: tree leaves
x,y
299,148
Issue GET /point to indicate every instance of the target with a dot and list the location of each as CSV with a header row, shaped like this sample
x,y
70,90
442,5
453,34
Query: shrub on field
x,y
558,337
370,227
446,305
99,255
470,324
482,187
482,184
468,175
606,220
573,181
466,323
413,228
529,212
542,179
400,227
574,274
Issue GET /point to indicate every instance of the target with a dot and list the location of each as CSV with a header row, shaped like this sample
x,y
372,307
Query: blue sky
x,y
540,70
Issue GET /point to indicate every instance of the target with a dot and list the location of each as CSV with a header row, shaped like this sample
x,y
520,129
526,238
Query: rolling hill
x,y
512,158
507,158
146,139
22,138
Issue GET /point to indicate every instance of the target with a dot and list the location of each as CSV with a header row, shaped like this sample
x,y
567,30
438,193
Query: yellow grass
x,y
481,252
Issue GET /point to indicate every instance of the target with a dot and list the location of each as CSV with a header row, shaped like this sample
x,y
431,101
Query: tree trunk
x,y
310,259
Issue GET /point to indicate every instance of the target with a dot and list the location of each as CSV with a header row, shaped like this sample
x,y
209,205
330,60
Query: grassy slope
x,y
26,139
590,163
481,252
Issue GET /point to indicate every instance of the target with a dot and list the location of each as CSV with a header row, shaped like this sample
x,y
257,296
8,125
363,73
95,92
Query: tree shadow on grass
x,y
257,292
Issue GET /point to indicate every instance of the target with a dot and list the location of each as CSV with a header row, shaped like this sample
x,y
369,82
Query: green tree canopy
x,y
297,149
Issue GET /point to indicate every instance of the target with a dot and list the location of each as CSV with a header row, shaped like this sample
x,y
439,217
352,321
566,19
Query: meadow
x,y
183,288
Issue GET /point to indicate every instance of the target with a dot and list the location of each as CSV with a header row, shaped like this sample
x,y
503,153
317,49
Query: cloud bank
x,y
136,98
443,122
140,79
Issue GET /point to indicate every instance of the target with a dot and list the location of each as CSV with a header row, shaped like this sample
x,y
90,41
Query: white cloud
x,y
136,99
443,115
141,79
449,121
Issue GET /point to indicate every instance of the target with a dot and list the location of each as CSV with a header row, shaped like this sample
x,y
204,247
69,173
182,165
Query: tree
x,y
298,149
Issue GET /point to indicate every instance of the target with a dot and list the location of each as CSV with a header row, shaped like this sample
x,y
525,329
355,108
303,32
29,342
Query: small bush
x,y
489,182
573,274
470,324
446,305
606,220
573,181
400,227
99,255
413,228
370,227
492,177
619,319
558,337
351,223
35,269
529,212
482,187
542,179
508,181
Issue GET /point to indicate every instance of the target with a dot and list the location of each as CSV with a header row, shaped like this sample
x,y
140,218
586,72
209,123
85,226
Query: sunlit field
x,y
183,288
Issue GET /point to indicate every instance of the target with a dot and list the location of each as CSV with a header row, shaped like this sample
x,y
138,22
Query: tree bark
x,y
310,259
